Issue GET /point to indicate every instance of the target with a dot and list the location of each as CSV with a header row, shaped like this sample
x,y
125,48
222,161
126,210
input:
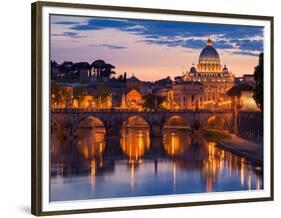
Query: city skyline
x,y
180,135
152,50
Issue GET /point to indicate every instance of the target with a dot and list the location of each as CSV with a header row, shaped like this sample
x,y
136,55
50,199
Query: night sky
x,y
152,49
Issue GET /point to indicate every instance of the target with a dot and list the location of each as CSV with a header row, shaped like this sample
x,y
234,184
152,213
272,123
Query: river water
x,y
96,167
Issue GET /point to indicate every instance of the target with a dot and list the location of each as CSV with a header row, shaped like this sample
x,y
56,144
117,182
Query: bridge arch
x,y
138,120
96,119
177,121
216,121
55,125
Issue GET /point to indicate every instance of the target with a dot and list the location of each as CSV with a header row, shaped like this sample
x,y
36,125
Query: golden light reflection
x,y
249,182
91,138
135,142
93,174
242,171
176,142
209,184
135,138
213,166
221,162
132,174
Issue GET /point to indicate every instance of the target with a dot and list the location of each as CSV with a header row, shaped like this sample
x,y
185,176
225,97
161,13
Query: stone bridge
x,y
113,119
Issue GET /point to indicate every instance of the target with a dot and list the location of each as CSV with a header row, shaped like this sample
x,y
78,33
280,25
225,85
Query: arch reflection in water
x,y
60,140
135,139
56,139
91,137
176,138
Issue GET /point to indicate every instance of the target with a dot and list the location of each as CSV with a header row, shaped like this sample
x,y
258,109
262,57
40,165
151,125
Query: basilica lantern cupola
x,y
225,70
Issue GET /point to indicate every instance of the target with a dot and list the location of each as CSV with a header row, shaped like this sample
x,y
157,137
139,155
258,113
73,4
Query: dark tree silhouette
x,y
107,71
80,65
79,92
120,77
102,92
236,90
125,76
258,75
98,66
152,101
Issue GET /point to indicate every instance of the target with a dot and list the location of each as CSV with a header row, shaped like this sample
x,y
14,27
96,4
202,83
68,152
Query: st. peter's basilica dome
x,y
209,54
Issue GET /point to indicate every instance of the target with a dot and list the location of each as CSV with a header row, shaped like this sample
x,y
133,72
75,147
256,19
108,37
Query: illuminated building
x,y
188,95
247,101
217,80
133,100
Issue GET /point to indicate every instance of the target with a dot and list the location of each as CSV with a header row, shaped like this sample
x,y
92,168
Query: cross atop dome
x,y
209,41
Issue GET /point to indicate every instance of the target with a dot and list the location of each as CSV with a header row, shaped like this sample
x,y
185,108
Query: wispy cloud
x,y
246,53
246,44
74,35
109,46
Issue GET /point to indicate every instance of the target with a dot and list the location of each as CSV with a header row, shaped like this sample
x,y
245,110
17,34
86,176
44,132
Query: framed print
x,y
136,108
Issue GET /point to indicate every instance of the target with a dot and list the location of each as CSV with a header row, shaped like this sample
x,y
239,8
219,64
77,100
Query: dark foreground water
x,y
137,165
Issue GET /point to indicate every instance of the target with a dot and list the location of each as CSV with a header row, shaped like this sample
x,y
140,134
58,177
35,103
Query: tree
x,y
98,66
67,98
125,76
258,75
61,95
107,71
236,90
78,93
152,101
55,93
102,92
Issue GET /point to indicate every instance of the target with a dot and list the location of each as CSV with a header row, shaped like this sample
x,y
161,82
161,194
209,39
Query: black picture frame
x,y
36,75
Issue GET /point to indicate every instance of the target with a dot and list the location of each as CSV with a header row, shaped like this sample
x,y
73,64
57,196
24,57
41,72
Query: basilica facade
x,y
204,86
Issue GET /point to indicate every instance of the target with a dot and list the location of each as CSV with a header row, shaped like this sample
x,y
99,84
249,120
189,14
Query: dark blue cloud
x,y
188,43
179,33
246,44
67,22
223,44
97,23
195,43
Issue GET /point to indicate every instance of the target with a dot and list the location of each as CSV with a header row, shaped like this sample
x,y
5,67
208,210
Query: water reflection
x,y
176,142
135,140
176,136
197,165
91,141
